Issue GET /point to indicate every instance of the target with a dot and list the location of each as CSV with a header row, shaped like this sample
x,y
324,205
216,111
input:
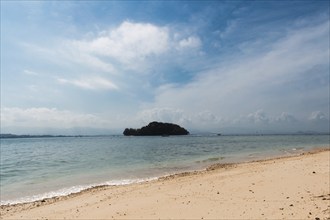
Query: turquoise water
x,y
36,168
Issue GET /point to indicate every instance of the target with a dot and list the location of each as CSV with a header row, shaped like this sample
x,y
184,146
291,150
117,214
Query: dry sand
x,y
284,188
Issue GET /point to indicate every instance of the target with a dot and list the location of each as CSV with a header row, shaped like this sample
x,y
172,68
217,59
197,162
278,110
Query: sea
x,y
38,168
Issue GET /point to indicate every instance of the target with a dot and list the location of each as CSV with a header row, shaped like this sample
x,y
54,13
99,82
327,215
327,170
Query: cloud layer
x,y
130,42
276,79
210,67
94,83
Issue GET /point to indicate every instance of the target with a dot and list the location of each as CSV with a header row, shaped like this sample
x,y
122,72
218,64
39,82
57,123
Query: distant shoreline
x,y
9,136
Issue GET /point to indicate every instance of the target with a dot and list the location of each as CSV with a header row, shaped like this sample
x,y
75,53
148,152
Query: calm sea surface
x,y
36,168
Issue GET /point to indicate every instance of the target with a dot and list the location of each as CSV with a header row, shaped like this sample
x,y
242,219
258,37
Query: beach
x,y
294,187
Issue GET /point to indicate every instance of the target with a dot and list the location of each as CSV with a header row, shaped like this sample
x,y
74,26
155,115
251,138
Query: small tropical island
x,y
156,129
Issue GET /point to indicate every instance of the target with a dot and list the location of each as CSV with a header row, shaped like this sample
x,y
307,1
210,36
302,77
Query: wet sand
x,y
295,187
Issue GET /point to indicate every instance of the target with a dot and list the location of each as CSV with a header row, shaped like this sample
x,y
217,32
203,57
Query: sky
x,y
97,67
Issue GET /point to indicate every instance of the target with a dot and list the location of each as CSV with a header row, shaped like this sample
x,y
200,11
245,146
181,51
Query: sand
x,y
284,188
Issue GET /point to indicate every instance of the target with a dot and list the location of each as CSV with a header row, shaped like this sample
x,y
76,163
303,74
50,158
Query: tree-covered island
x,y
156,129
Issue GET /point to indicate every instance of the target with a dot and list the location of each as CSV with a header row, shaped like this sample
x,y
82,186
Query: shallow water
x,y
36,168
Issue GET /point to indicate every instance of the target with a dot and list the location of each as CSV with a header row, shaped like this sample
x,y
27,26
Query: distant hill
x,y
156,129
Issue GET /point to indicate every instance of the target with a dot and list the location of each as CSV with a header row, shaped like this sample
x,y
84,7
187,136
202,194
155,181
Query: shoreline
x,y
204,168
12,210
61,176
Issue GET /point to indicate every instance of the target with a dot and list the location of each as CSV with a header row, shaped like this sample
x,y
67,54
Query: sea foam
x,y
71,190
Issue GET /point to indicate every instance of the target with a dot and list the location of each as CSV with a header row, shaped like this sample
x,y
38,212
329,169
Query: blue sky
x,y
96,67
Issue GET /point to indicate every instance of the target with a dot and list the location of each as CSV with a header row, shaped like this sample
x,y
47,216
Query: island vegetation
x,y
156,129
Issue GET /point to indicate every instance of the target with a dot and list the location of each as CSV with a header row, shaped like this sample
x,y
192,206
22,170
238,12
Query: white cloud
x,y
261,118
30,73
210,122
132,46
318,116
190,42
93,83
206,118
197,120
161,114
318,121
128,42
130,53
47,117
258,117
260,80
89,60
285,117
